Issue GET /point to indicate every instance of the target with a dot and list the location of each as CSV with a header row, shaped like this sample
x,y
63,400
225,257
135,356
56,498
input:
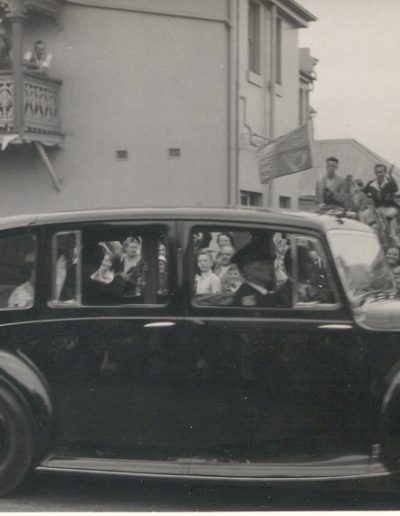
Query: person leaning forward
x,y
256,263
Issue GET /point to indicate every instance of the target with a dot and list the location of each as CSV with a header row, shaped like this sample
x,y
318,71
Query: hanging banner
x,y
288,154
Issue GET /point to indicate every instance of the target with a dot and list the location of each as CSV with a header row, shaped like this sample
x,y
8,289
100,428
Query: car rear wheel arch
x,y
17,439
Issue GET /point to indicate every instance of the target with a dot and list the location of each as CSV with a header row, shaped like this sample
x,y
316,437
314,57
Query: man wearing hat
x,y
256,262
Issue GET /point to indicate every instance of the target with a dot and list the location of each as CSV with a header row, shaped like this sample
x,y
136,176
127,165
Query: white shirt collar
x,y
379,186
260,289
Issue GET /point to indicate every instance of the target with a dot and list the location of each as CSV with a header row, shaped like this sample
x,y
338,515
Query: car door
x,y
109,354
274,383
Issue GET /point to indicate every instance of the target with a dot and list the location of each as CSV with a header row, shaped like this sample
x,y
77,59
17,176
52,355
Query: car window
x,y
238,267
361,264
111,266
258,268
306,264
17,271
124,266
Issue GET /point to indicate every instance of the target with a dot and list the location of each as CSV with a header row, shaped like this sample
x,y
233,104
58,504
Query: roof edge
x,y
300,10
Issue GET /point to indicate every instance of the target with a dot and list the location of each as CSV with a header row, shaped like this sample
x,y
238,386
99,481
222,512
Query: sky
x,y
357,93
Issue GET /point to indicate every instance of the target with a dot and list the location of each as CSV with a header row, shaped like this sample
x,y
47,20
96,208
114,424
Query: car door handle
x,y
335,327
159,324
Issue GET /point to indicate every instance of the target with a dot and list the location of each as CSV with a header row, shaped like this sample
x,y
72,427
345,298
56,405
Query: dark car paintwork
x,y
329,373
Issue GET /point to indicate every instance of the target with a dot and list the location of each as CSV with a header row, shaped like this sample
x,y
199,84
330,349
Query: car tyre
x,y
16,442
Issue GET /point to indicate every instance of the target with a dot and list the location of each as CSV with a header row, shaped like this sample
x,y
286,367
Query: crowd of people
x,y
215,271
373,203
259,273
115,270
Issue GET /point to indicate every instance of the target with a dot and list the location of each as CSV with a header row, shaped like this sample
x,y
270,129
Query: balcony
x,y
40,108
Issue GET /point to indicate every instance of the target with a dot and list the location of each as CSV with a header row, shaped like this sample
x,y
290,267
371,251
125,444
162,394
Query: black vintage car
x,y
124,348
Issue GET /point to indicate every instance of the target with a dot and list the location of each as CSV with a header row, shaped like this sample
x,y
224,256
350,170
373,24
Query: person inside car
x,y
22,296
306,291
131,266
100,283
222,260
206,282
232,279
256,262
104,274
225,238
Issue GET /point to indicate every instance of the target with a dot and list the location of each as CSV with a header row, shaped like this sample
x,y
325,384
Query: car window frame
x,y
259,311
166,226
54,303
302,305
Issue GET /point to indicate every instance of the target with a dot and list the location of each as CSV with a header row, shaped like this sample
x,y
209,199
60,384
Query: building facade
x,y
147,102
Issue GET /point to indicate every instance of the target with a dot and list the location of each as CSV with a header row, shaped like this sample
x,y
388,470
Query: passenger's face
x,y
106,263
197,237
331,167
226,255
204,263
40,49
132,249
380,174
223,240
393,255
233,275
260,272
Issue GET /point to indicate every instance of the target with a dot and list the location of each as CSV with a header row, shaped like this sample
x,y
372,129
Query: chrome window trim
x,y
297,306
300,305
56,304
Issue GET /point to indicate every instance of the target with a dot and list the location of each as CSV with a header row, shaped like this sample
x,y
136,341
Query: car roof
x,y
305,220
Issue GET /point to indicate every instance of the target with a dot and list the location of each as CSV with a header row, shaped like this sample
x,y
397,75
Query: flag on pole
x,y
287,154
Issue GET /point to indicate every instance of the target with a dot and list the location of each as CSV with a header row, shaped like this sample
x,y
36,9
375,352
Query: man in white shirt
x,y
39,60
329,192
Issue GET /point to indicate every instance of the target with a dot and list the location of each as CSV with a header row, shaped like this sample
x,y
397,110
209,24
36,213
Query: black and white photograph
x,y
199,255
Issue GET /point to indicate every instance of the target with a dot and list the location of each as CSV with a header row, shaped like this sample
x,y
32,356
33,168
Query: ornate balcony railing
x,y
6,102
41,105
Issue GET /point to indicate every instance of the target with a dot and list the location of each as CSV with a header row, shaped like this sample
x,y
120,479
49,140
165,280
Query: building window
x,y
285,202
250,198
278,52
254,37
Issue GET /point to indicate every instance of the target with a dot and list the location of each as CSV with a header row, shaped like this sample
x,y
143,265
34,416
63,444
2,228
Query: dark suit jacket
x,y
247,295
385,196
